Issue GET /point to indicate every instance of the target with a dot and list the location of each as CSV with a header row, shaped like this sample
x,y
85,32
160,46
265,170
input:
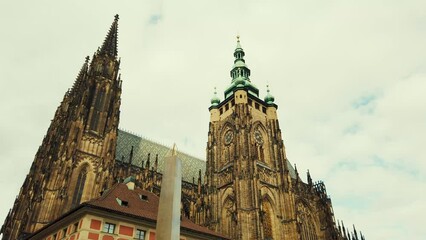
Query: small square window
x,y
140,234
109,227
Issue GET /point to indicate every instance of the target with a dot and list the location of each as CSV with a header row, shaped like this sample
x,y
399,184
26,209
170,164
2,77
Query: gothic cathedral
x,y
247,189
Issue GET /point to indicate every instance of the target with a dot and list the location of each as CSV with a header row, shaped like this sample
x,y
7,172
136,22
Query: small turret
x,y
355,233
199,182
81,75
309,178
156,163
297,173
109,47
215,99
148,162
344,229
131,156
269,99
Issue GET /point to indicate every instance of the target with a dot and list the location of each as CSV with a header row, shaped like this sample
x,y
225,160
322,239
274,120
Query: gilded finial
x,y
215,92
116,17
238,38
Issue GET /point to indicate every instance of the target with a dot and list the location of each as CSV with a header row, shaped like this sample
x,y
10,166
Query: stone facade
x,y
247,189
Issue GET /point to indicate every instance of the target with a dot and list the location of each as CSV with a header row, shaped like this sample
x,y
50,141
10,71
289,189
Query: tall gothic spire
x,y
109,47
81,74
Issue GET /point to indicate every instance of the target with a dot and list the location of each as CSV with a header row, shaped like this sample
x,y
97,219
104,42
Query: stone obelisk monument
x,y
168,219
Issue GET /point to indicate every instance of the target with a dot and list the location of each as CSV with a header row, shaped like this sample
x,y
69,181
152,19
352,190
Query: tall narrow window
x,y
79,187
140,234
267,220
228,218
98,108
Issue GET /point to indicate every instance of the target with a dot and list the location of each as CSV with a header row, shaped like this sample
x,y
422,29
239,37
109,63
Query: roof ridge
x,y
105,194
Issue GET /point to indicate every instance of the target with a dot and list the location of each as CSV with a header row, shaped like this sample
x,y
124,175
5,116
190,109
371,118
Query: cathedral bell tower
x,y
76,159
247,173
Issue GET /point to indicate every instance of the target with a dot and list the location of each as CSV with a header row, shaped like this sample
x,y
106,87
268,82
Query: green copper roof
x,y
269,99
239,63
215,99
240,73
142,146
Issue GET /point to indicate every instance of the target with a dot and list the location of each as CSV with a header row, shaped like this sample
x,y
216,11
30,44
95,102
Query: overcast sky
x,y
349,78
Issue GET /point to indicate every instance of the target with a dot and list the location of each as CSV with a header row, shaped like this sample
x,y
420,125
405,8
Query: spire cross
x,y
116,17
238,38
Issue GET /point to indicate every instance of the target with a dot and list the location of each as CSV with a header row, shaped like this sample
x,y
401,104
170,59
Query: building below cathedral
x,y
246,188
122,212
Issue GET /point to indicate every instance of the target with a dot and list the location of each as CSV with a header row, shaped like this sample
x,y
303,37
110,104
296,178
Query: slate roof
x,y
142,146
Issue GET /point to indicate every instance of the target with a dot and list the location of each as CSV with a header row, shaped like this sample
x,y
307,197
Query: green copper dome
x,y
269,99
215,99
240,74
239,63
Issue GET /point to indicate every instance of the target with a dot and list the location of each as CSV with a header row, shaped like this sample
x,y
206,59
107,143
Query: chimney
x,y
130,182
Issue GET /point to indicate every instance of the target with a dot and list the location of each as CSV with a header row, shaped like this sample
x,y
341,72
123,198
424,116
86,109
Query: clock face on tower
x,y
229,135
258,137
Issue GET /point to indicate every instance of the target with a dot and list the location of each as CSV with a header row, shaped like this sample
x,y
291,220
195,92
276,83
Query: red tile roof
x,y
140,208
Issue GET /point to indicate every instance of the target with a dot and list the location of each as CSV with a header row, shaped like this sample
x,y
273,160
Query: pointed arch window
x,y
306,223
266,217
79,187
98,108
228,218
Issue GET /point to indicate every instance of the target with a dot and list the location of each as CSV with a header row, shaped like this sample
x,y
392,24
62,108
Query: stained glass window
x,y
79,188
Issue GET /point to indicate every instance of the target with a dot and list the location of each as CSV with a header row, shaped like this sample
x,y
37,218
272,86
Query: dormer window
x,y
122,202
143,197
